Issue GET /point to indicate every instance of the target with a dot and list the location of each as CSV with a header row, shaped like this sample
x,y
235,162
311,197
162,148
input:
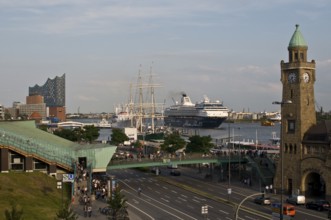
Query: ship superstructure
x,y
205,114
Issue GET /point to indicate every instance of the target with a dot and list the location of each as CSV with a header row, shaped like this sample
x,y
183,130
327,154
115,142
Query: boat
x,y
103,124
267,123
205,114
276,117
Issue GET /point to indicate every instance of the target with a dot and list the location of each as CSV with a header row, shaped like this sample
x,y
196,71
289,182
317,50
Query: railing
x,y
167,160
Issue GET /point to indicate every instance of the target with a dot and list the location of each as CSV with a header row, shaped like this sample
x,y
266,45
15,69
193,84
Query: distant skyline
x,y
227,50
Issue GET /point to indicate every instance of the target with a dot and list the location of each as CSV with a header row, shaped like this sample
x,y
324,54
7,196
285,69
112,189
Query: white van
x,y
296,199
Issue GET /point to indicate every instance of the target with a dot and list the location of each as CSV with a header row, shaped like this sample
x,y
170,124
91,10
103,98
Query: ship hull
x,y
197,122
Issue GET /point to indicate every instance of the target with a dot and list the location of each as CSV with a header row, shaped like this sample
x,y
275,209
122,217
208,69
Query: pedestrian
x,y
85,210
89,210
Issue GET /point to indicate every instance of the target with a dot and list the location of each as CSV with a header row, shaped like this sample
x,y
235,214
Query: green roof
x,y
25,136
297,39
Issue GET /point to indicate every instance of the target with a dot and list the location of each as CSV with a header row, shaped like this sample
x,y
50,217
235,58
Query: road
x,y
182,197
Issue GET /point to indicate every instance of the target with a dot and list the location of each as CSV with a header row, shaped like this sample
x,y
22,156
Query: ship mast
x,y
140,113
152,100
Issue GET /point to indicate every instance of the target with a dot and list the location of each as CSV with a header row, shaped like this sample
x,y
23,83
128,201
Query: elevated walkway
x,y
25,139
166,161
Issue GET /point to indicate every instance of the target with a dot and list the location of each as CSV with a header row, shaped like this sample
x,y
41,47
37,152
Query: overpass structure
x,y
24,147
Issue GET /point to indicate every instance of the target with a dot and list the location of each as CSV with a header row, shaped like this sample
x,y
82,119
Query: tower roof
x,y
297,39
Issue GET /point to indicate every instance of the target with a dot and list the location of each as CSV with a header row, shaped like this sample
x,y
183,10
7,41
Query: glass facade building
x,y
53,91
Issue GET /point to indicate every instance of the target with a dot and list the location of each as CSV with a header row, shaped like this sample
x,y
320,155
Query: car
x,y
296,199
319,205
262,200
175,173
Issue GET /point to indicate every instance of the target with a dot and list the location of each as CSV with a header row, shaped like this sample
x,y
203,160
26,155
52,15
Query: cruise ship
x,y
205,114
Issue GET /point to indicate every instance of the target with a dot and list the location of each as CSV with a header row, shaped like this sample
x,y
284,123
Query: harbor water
x,y
239,131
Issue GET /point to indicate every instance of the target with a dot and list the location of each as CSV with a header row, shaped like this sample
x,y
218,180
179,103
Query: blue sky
x,y
228,50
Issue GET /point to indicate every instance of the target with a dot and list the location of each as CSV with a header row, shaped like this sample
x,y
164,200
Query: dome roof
x,y
297,39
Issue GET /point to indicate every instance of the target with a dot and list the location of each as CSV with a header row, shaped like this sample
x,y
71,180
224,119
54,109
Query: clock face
x,y
306,77
292,77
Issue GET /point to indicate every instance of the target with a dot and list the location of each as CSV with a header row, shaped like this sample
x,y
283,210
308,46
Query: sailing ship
x,y
141,111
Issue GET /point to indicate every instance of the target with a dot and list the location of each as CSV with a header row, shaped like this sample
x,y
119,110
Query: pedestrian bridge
x,y
24,147
168,161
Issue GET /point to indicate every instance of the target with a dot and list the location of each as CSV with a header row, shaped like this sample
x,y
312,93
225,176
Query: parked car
x,y
319,205
296,199
175,173
262,200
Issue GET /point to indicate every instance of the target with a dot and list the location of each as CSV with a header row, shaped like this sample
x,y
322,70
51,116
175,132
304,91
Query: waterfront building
x,y
53,92
305,145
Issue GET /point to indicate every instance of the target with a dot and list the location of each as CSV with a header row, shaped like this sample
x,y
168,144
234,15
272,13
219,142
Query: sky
x,y
229,50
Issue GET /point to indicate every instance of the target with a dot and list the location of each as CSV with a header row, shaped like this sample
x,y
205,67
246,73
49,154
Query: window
x,y
291,126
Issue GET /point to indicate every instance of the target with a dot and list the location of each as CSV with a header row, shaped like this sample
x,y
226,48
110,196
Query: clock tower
x,y
297,110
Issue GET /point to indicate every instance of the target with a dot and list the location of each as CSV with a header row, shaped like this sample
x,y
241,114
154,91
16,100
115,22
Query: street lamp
x,y
282,153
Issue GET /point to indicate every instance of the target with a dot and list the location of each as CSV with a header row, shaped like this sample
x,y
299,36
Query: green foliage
x,y
65,212
173,142
118,207
118,136
87,134
90,133
199,144
14,213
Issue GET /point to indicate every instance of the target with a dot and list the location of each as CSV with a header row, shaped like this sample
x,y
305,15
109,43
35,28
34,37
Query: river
x,y
241,131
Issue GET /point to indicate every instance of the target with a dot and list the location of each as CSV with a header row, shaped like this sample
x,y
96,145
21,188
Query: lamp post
x,y
282,153
229,179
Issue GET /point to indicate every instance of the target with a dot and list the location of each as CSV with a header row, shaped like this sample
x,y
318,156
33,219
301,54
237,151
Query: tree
x,y
87,134
117,205
199,144
118,136
173,142
66,213
14,213
90,133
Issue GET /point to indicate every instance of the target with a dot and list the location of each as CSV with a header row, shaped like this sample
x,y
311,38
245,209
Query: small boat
x,y
102,124
267,123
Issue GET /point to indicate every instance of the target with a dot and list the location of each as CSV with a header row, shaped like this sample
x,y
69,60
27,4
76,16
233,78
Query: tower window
x,y
301,57
291,126
296,57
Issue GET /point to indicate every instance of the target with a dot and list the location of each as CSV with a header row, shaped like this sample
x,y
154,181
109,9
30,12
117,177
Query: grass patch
x,y
36,193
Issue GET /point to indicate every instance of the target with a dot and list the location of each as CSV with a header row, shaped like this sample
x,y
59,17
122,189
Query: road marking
x,y
168,197
140,210
197,201
223,212
165,200
183,195
182,199
248,217
157,192
164,187
202,199
174,191
156,201
210,206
